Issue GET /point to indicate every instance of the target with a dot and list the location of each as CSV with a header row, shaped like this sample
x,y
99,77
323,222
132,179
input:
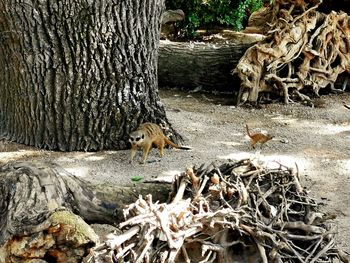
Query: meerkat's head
x,y
136,138
269,136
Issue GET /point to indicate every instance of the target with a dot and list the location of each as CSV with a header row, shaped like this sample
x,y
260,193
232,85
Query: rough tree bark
x,y
78,75
305,51
37,202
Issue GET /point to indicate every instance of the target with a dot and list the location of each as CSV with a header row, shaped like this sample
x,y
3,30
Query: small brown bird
x,y
258,137
145,136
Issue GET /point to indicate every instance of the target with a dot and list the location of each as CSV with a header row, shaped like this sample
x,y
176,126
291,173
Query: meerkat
x,y
145,136
258,137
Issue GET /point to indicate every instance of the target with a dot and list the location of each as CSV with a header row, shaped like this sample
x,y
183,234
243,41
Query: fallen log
x,y
44,210
203,65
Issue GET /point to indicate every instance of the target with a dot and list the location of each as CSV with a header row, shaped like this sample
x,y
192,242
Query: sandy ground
x,y
317,139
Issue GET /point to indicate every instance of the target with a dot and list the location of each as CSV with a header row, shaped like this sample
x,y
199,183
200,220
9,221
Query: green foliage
x,y
208,14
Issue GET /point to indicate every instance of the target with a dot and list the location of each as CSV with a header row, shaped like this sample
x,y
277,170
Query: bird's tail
x,y
247,128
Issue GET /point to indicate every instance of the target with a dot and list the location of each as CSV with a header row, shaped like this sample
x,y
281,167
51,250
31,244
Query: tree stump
x,y
43,210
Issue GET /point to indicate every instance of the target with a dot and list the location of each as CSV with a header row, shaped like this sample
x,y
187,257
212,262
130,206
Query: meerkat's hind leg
x,y
160,145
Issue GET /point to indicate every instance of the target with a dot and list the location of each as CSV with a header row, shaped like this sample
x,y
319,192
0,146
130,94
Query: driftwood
x,y
43,210
305,51
259,21
203,65
235,212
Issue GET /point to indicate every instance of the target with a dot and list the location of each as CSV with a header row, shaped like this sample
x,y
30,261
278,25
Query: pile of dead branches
x,y
235,212
305,51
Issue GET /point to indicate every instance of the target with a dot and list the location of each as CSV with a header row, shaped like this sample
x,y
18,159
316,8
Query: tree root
x,y
306,49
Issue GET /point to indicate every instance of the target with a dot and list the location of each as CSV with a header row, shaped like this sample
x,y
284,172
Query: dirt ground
x,y
317,139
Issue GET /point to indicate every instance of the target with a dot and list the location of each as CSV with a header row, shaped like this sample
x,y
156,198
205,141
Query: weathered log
x,y
202,65
37,202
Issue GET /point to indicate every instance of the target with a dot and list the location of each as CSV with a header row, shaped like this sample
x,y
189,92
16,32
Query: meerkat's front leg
x,y
133,152
146,149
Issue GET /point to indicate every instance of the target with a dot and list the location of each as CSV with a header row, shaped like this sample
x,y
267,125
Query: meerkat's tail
x,y
177,146
184,148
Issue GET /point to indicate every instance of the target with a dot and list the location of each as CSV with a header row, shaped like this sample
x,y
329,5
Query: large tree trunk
x,y
78,75
37,202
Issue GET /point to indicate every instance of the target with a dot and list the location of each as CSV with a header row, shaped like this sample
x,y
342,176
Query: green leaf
x,y
136,178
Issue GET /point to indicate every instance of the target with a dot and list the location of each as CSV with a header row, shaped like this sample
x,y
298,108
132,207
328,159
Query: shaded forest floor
x,y
317,139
